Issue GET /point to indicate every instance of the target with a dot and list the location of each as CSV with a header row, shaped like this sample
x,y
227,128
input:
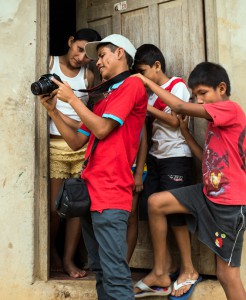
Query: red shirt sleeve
x,y
84,130
223,113
123,99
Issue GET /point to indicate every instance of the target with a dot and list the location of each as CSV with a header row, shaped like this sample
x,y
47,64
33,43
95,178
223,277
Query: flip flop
x,y
185,296
147,291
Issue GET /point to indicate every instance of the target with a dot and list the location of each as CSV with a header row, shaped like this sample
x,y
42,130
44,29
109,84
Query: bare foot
x,y
183,276
72,270
155,280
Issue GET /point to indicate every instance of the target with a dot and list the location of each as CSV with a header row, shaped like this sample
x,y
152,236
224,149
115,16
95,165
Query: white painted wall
x,y
18,34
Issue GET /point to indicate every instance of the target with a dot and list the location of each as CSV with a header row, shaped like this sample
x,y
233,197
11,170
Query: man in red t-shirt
x,y
116,121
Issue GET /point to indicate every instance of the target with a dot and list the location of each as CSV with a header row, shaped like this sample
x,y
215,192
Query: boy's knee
x,y
151,200
154,203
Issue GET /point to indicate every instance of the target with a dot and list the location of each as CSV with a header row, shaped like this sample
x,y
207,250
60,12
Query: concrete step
x,y
84,289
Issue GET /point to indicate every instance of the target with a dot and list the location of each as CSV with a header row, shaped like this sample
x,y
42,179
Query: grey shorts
x,y
220,227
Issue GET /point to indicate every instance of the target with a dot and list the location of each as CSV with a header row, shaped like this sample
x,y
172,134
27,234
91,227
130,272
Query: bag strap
x,y
92,150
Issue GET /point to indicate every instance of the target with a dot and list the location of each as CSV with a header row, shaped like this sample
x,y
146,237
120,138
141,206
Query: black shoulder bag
x,y
73,199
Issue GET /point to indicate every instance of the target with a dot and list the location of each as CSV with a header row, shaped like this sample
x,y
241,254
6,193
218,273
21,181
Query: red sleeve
x,y
124,98
83,129
223,113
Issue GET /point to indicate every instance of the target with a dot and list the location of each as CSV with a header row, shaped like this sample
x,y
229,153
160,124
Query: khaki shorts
x,y
64,162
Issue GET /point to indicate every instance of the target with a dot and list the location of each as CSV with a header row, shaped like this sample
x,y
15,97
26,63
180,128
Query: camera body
x,y
45,85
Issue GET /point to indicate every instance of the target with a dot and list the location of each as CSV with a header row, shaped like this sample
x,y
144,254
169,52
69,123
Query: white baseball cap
x,y
115,39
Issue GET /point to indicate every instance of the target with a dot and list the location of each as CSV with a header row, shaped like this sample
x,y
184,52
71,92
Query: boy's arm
x,y
194,146
164,117
73,123
101,127
74,139
179,106
141,159
70,122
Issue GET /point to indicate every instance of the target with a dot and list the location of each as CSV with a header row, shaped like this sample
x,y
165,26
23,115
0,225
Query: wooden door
x,y
177,28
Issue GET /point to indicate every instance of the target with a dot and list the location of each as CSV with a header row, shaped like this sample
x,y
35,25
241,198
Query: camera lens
x,y
45,85
36,88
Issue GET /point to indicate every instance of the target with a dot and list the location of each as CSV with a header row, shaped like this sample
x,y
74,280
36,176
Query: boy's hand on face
x,y
64,92
48,101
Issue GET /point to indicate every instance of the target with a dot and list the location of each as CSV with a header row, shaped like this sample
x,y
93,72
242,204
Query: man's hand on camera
x,y
48,101
64,92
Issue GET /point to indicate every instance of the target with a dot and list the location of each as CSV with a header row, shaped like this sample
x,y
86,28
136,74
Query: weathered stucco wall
x,y
17,51
232,44
19,220
232,49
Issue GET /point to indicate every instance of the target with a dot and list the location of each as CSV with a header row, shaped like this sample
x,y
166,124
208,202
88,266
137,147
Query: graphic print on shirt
x,y
213,166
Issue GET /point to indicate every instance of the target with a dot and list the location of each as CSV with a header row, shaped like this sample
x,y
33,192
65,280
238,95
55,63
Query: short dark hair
x,y
87,34
113,47
84,34
209,74
148,54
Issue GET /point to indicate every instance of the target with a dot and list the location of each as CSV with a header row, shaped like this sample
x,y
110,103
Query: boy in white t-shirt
x,y
169,159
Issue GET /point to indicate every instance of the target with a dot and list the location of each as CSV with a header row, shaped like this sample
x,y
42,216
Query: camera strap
x,y
92,150
104,87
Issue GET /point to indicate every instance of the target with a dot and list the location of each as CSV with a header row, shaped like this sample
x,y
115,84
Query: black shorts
x,y
220,227
165,174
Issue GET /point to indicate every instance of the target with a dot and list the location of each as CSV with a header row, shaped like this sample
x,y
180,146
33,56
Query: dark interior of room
x,y
62,24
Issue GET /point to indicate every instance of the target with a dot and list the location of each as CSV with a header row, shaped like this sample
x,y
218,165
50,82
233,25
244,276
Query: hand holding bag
x,y
73,199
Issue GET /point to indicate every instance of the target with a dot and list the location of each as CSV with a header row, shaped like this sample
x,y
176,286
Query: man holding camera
x,y
116,121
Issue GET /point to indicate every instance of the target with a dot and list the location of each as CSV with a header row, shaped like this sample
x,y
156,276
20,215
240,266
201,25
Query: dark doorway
x,y
62,24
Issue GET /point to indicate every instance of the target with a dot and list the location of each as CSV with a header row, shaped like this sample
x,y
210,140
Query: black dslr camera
x,y
45,85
